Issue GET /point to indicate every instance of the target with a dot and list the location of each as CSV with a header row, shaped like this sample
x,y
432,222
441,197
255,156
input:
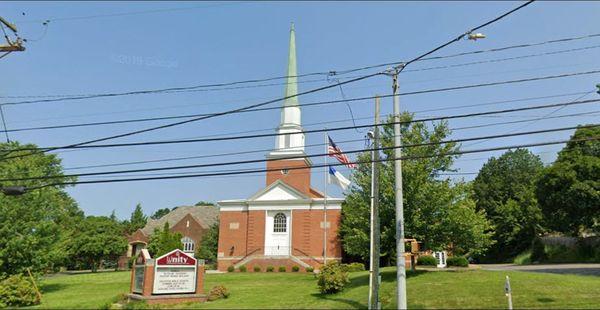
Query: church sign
x,y
175,273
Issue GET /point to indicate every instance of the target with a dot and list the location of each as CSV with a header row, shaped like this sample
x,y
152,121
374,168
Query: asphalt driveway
x,y
579,269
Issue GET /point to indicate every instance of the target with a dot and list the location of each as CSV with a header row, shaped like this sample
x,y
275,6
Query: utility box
x,y
441,258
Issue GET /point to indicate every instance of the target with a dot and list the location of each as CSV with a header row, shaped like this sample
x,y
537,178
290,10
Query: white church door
x,y
277,233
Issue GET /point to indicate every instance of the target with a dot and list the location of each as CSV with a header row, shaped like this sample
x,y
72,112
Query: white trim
x,y
238,208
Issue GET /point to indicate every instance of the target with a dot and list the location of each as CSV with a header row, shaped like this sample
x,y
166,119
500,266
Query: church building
x,y
288,222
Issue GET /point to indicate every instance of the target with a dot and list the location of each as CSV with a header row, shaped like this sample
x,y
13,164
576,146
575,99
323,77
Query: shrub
x,y
458,261
523,258
538,251
243,268
282,269
256,268
310,269
332,278
295,268
210,266
427,260
354,267
231,268
17,291
270,268
218,292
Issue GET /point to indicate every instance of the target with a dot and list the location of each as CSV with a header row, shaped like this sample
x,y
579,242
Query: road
x,y
579,269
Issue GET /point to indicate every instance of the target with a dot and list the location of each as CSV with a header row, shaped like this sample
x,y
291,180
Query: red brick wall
x,y
307,235
194,231
297,178
235,238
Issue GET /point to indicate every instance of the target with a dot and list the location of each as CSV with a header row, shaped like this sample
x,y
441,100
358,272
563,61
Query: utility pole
x,y
11,46
375,234
400,260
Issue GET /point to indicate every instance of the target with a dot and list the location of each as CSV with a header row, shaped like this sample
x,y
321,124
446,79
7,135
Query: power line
x,y
317,166
254,136
294,157
148,119
306,146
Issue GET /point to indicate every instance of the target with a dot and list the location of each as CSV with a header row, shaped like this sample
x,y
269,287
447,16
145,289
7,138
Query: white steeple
x,y
290,142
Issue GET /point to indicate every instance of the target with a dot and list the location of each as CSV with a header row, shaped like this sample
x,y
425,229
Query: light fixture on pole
x,y
476,36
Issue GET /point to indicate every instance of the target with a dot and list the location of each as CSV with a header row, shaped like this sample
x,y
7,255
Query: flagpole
x,y
325,200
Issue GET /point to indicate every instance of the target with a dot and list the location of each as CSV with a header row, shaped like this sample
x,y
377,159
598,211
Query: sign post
x,y
508,293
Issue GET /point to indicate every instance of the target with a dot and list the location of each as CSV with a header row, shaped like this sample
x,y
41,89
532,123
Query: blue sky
x,y
82,52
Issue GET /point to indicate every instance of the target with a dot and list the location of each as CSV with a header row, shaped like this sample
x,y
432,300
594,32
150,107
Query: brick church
x,y
285,223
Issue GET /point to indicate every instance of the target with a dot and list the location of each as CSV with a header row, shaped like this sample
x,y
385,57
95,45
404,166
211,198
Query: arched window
x,y
279,223
188,244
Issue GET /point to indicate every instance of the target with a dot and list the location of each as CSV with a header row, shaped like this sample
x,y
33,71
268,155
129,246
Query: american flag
x,y
335,151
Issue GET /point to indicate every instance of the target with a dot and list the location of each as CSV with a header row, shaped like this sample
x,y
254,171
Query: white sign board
x,y
175,273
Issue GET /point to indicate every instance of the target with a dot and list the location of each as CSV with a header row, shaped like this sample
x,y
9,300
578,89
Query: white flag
x,y
338,178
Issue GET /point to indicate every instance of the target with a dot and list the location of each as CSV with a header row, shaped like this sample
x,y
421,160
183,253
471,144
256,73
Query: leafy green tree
x,y
160,213
505,190
569,190
164,241
34,227
97,238
209,244
204,203
138,220
430,203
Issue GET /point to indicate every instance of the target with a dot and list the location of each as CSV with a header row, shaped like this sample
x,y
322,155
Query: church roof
x,y
205,215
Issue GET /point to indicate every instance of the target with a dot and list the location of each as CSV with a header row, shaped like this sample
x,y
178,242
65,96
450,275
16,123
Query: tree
x,y
209,244
164,241
138,220
569,190
160,213
204,203
505,190
430,203
98,238
34,227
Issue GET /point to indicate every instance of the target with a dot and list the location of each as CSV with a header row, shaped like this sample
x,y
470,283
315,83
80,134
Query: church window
x,y
188,244
286,141
279,223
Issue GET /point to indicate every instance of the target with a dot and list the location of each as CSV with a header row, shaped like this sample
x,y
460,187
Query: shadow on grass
x,y
363,280
49,288
546,299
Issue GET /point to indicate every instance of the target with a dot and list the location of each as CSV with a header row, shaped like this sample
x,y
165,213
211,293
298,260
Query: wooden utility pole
x,y
374,280
10,46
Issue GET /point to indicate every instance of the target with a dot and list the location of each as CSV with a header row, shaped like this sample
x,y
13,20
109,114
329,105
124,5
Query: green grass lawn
x,y
426,289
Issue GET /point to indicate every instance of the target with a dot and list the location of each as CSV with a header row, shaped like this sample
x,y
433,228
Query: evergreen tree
x,y
209,244
164,241
160,213
138,219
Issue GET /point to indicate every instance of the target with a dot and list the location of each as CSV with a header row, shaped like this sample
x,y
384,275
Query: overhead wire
x,y
416,157
241,162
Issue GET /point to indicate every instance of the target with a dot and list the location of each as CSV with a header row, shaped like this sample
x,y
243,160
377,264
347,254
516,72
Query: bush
x,y
17,291
458,261
332,278
231,268
538,251
282,269
354,267
256,268
426,260
523,258
243,268
218,292
210,266
295,268
310,269
270,268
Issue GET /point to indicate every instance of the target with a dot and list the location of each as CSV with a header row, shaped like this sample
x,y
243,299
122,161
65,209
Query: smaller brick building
x,y
191,222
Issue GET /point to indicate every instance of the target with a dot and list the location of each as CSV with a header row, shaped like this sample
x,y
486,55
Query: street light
x,y
476,36
13,190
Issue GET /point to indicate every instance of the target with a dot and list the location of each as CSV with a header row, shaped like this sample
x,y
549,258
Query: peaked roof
x,y
279,183
205,215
